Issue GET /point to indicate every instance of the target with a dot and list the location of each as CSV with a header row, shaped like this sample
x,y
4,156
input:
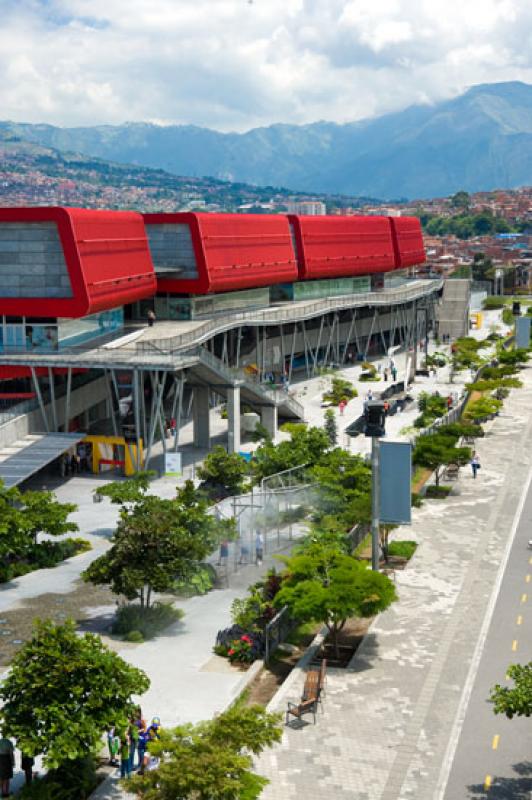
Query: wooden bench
x,y
451,472
313,690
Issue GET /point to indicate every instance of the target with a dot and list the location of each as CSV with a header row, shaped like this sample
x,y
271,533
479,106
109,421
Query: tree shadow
x,y
502,788
365,654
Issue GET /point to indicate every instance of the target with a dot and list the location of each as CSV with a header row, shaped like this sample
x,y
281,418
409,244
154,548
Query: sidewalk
x,y
387,720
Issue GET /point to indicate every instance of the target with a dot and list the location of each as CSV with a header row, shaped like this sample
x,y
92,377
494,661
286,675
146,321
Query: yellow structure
x,y
115,451
477,319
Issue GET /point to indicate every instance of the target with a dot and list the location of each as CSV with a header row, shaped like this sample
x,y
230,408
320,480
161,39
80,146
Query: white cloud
x,y
235,64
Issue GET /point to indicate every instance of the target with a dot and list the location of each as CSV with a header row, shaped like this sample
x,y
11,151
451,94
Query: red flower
x,y
246,638
230,652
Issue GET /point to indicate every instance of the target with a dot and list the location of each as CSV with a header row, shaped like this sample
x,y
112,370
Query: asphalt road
x,y
493,758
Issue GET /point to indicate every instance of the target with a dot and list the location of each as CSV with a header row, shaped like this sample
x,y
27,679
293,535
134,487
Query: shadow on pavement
x,y
518,788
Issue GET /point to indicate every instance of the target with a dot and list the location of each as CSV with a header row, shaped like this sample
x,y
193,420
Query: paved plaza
x,y
387,720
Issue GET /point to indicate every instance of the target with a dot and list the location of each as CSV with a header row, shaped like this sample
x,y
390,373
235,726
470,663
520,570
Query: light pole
x,y
375,416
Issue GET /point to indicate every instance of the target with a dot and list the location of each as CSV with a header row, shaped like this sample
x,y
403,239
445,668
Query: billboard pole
x,y
375,503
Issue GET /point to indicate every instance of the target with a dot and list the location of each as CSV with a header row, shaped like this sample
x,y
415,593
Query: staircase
x,y
453,313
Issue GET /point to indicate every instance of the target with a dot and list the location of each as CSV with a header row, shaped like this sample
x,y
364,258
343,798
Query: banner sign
x,y
172,464
395,475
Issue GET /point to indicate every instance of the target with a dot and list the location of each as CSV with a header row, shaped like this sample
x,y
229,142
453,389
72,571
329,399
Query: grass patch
x,y
134,619
402,549
419,478
300,635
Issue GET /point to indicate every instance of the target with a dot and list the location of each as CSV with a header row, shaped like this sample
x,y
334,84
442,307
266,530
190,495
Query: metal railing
x,y
277,631
293,312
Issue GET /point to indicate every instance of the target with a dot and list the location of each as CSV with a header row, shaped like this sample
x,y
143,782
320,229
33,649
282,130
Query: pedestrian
x,y
475,465
173,426
7,762
73,464
341,406
142,747
386,407
82,453
449,402
244,552
259,548
124,756
369,396
113,745
151,317
133,732
385,373
224,553
27,763
394,373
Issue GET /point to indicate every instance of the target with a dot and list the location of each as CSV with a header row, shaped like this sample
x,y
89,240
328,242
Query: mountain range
x,y
478,141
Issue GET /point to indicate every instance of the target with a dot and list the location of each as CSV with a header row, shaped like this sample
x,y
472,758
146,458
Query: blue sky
x,y
238,64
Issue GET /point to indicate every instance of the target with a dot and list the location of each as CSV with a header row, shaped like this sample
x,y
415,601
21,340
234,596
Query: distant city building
x,y
307,208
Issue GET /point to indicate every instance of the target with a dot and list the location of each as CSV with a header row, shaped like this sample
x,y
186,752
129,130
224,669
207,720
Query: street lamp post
x,y
375,416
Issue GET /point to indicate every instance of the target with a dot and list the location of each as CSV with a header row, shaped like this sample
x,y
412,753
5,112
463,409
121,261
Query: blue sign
x,y
395,473
522,332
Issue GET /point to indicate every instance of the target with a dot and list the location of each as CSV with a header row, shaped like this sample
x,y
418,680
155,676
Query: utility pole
x,y
374,417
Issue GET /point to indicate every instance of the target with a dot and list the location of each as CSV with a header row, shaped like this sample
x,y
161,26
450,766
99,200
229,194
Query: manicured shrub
x,y
402,549
438,492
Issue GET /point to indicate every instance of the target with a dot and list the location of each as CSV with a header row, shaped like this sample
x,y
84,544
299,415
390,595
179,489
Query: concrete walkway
x,y
387,721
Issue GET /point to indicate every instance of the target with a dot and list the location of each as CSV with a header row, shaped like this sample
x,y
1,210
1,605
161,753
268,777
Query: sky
x,y
240,64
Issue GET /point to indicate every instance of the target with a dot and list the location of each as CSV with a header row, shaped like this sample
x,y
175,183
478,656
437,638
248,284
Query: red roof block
x,y
230,251
106,255
408,241
330,247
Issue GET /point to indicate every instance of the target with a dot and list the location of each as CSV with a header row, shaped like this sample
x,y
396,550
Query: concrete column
x,y
201,417
233,418
268,417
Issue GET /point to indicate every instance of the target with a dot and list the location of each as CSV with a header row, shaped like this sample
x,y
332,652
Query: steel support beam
x,y
51,382
39,398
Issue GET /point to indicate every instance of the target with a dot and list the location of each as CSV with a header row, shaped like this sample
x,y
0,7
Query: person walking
x,y
27,763
475,465
385,373
125,769
7,762
341,406
151,317
144,738
259,548
394,373
113,744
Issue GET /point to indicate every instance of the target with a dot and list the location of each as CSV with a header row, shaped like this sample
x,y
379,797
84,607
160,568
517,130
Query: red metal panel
x,y
330,247
408,241
233,251
107,257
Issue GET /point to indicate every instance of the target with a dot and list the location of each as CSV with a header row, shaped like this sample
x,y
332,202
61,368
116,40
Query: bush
x,y
226,637
44,555
438,492
146,621
493,303
402,549
134,636
200,582
368,376
507,316
340,390
75,780
241,650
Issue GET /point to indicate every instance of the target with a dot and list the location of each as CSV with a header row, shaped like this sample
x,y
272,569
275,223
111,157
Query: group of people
x,y
8,763
76,462
124,745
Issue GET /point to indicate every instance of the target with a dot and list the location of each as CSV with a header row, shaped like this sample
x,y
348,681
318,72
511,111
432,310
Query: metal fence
x,y
277,632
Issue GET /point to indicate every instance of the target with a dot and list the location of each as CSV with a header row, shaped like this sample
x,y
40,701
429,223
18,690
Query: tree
x,y
64,690
515,702
222,473
482,409
435,451
156,542
130,490
23,515
340,390
344,488
322,584
305,446
461,199
211,760
330,427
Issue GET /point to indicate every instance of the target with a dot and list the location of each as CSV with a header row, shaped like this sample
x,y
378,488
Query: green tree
x,y
23,515
482,409
340,390
461,199
343,488
436,451
516,701
156,542
305,446
211,760
63,691
324,585
130,490
331,428
222,473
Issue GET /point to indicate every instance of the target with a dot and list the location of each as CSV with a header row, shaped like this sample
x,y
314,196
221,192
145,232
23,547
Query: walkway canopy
x,y
24,458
